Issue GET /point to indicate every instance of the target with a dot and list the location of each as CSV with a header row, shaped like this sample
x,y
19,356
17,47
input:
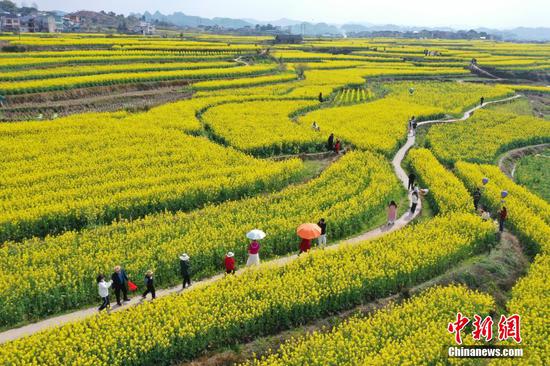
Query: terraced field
x,y
140,185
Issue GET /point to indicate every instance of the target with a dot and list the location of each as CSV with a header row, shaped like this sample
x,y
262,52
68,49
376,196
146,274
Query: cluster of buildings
x,y
44,22
38,22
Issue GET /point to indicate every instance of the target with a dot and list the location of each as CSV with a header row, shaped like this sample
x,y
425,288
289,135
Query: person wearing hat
x,y
149,284
120,284
230,263
185,268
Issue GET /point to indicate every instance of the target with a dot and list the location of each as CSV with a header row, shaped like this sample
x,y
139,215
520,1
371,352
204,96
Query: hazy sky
x,y
457,13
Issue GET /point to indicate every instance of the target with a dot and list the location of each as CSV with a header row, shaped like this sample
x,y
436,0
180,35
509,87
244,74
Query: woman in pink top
x,y
392,213
253,253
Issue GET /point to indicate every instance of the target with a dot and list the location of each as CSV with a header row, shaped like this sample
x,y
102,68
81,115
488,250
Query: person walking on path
x,y
103,288
410,125
330,142
322,241
230,263
253,253
477,198
412,178
120,284
149,284
481,101
501,218
185,270
392,213
485,214
414,202
337,147
414,125
305,246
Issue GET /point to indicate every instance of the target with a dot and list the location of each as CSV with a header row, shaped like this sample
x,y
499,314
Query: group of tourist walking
x,y
121,284
484,212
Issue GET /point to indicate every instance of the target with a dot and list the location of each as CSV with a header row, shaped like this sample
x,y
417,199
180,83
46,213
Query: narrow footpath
x,y
405,219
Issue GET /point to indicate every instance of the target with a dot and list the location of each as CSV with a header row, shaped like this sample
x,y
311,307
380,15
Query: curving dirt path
x,y
405,219
508,162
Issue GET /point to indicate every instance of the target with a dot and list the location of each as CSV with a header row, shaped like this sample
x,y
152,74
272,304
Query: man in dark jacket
x,y
477,198
185,268
120,283
412,177
330,142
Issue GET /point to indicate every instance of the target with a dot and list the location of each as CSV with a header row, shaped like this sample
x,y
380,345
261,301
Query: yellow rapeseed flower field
x,y
484,136
351,195
258,301
412,333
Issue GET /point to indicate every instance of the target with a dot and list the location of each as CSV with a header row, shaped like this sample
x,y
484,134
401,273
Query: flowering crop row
x,y
530,298
379,125
411,333
244,82
352,96
263,127
32,62
72,82
484,136
84,53
528,214
259,301
42,277
56,72
447,193
452,97
97,167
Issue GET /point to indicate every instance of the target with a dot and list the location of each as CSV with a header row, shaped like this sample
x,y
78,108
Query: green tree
x,y
8,6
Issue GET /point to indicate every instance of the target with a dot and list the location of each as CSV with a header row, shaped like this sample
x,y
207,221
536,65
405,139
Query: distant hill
x,y
539,34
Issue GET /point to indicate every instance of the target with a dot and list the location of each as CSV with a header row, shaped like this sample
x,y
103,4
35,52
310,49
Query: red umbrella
x,y
308,231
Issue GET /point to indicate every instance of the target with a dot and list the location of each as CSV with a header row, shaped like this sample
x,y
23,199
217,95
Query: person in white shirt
x,y
414,202
103,288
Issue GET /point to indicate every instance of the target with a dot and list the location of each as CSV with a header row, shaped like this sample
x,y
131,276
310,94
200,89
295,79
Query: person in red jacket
x,y
501,218
230,263
337,147
305,245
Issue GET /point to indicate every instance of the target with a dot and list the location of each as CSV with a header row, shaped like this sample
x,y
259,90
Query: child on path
x,y
185,269
103,288
230,263
149,285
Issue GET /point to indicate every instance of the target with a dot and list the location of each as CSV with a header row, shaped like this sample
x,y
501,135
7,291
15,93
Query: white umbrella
x,y
255,234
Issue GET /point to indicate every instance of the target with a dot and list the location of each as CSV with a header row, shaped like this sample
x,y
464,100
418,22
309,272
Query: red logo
x,y
508,327
456,327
